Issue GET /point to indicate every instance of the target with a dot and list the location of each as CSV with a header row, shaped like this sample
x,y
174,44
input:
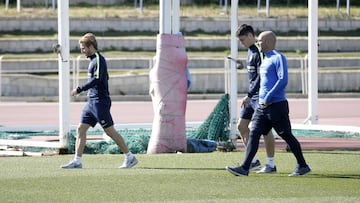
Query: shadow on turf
x,y
343,176
346,152
167,168
312,175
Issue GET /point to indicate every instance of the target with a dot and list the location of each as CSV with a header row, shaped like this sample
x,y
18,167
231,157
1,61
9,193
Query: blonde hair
x,y
89,39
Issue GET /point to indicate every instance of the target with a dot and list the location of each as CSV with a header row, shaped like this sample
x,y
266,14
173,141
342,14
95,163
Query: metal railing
x,y
1,57
267,7
304,74
347,7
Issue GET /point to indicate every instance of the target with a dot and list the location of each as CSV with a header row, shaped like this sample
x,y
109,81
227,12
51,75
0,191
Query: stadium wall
x,y
23,85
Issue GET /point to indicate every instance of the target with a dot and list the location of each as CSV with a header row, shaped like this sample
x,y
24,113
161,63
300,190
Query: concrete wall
x,y
213,82
74,2
327,44
120,63
219,25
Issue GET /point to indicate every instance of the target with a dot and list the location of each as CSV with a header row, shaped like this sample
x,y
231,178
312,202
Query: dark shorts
x,y
247,112
274,116
97,111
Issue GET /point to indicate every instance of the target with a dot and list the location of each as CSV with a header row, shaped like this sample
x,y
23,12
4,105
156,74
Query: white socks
x,y
77,159
270,161
129,155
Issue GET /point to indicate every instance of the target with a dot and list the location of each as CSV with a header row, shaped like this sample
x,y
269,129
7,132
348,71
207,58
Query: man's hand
x,y
74,92
245,102
265,105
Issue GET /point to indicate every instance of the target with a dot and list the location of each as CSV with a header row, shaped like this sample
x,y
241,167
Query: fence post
x,y
77,71
6,5
266,10
224,6
347,7
303,67
138,6
227,75
1,57
18,5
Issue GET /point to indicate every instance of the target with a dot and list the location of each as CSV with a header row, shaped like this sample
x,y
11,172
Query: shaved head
x,y
267,41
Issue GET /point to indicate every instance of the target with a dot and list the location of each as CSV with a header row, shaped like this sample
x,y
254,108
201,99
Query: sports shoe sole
x,y
296,174
255,168
131,165
262,172
234,172
68,167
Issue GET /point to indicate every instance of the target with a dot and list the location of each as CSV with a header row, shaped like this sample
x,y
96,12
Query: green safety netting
x,y
214,128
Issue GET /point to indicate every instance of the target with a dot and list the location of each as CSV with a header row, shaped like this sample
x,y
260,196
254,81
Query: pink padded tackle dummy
x,y
168,90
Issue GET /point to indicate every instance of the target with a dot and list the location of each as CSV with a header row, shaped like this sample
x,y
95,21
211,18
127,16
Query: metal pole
x,y
64,75
233,70
73,72
165,17
175,18
348,7
302,69
226,75
1,57
53,5
267,8
6,5
138,6
18,5
77,71
313,61
226,6
306,75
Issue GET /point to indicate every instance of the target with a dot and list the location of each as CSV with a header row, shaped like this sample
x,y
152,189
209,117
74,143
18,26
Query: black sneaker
x,y
238,171
301,171
255,166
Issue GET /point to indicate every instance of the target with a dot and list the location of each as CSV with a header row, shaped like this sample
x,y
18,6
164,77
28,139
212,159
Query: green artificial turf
x,y
179,178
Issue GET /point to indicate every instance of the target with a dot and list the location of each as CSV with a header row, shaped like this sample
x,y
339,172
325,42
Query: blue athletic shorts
x,y
97,111
247,112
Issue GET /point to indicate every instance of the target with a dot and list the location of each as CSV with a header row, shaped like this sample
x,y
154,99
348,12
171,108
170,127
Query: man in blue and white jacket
x,y
274,108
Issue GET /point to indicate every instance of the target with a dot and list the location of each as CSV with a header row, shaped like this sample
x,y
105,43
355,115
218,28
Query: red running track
x,y
345,112
339,112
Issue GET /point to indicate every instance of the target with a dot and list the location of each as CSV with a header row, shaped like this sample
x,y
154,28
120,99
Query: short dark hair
x,y
244,29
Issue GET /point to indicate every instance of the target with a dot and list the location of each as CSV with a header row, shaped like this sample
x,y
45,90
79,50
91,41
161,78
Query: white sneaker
x,y
267,169
129,163
72,164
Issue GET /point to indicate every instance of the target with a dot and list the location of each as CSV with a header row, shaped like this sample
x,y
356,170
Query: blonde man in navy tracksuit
x,y
274,109
97,108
